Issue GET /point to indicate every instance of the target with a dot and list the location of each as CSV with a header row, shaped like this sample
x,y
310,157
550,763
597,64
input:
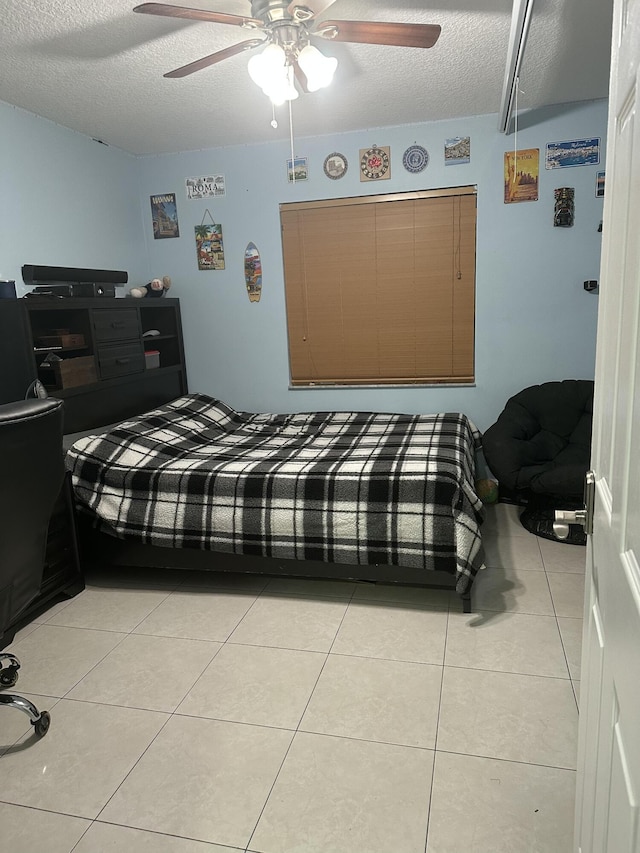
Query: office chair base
x,y
40,720
8,673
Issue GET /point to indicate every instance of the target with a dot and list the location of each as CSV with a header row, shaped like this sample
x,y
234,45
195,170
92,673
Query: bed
x,y
197,484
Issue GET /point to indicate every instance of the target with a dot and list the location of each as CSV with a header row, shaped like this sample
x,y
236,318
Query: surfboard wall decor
x,y
253,272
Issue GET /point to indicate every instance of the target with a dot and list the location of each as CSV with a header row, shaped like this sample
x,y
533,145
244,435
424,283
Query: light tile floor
x,y
195,713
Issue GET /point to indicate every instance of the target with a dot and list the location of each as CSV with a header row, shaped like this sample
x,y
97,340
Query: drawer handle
x,y
117,324
123,360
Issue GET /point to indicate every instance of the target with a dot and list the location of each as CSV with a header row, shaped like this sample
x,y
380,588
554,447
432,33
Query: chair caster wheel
x,y
8,676
41,726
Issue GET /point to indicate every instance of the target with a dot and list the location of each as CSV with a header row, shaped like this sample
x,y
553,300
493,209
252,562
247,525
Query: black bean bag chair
x,y
539,450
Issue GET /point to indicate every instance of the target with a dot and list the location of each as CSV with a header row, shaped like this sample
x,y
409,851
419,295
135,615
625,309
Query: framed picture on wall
x,y
164,213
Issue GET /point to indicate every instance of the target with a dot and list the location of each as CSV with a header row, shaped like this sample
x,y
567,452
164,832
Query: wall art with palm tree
x,y
209,247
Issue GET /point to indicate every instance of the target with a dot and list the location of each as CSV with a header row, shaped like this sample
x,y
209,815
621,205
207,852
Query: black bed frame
x,y
99,549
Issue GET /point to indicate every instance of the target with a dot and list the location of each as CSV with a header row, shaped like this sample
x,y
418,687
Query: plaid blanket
x,y
344,487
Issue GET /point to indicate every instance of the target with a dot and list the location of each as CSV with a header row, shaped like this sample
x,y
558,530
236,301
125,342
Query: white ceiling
x,y
97,67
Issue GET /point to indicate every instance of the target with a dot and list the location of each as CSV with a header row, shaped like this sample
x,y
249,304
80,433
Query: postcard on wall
x,y
599,184
164,213
298,170
457,150
211,186
576,152
209,246
521,173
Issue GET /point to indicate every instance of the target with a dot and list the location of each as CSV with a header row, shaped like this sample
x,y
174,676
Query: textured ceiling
x,y
97,67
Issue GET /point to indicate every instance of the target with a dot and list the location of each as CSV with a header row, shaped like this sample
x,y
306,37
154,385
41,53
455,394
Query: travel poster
x,y
576,152
164,213
521,173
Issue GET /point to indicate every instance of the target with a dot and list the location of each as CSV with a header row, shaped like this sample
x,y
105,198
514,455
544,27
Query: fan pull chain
x,y
293,162
515,133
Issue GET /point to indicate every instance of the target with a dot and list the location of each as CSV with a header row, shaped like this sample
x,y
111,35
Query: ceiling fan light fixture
x,y
270,71
318,68
267,67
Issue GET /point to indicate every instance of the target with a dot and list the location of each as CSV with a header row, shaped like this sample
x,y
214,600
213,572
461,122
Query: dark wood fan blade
x,y
308,8
206,61
373,32
301,77
196,15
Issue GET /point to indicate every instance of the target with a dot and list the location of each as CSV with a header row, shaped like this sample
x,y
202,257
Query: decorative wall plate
x,y
335,166
415,158
375,163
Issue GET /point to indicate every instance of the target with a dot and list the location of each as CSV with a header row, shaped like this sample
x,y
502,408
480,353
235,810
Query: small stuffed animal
x,y
156,287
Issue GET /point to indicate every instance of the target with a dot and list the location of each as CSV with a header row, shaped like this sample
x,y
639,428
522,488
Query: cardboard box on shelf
x,y
152,358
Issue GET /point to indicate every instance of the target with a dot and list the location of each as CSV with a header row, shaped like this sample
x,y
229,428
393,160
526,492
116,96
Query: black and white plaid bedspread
x,y
344,487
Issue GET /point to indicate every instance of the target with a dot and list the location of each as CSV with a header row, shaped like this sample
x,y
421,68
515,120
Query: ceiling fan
x,y
286,28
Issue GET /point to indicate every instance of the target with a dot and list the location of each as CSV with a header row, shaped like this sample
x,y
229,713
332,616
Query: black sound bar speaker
x,y
33,274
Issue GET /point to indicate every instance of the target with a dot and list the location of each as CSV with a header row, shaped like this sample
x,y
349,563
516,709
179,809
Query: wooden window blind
x,y
381,289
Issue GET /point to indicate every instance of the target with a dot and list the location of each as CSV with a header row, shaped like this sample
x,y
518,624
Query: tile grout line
x,y
435,742
297,729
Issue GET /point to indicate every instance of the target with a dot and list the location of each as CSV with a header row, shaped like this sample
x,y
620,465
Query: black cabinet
x,y
62,573
91,353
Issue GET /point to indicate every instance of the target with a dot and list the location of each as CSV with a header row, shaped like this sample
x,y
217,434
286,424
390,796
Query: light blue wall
x,y
534,321
69,201
66,200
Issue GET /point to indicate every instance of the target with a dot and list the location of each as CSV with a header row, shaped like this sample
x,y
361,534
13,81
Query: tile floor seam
x,y
503,672
247,844
365,740
508,671
168,595
304,710
91,823
43,809
437,726
232,722
189,689
135,763
97,662
564,650
507,760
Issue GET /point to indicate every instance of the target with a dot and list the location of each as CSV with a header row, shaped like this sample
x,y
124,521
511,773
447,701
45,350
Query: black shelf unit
x,y
115,380
115,384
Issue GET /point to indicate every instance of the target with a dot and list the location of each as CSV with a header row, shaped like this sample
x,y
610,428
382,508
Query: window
x,y
381,289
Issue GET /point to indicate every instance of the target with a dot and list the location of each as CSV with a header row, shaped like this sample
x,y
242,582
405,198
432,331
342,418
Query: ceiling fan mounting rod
x,y
290,35
271,11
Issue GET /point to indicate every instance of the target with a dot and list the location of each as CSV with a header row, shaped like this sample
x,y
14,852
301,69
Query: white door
x,y
608,790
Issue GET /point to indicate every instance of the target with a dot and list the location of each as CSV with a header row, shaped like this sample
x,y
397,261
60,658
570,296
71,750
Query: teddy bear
x,y
156,287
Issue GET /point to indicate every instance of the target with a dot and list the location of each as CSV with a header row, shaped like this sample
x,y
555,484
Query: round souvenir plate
x,y
335,166
415,158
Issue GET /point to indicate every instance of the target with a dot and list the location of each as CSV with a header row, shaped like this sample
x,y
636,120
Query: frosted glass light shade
x,y
267,67
269,71
317,68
